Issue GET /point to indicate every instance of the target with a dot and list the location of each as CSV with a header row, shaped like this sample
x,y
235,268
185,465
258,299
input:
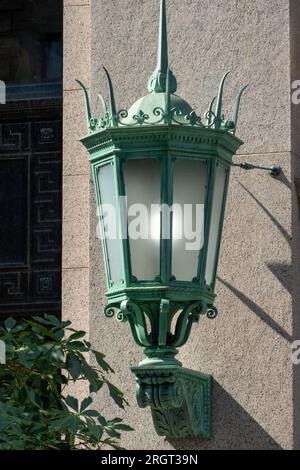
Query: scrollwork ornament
x,y
93,124
115,311
194,119
159,112
176,112
210,118
212,312
109,311
121,115
121,317
141,117
102,124
175,116
197,311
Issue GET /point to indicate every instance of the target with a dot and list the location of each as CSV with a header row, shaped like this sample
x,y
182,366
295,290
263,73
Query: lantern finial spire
x,y
158,80
162,51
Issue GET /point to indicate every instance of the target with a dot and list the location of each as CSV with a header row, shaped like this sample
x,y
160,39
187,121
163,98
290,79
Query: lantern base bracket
x,y
180,400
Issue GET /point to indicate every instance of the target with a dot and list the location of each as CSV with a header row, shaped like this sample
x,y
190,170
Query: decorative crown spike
x,y
158,80
171,110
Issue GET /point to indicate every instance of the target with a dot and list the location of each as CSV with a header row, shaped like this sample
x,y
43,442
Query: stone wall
x,y
76,170
248,348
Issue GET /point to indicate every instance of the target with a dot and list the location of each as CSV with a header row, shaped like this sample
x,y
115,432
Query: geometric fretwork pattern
x,y
30,211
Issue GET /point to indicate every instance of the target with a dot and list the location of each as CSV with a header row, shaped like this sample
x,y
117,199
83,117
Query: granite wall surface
x,y
248,348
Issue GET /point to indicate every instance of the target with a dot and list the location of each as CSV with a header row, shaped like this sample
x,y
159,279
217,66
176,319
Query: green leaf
x,y
32,395
116,395
24,359
113,433
59,424
85,404
60,333
65,324
74,424
52,320
20,327
58,355
32,412
102,420
9,323
77,346
123,427
114,421
77,335
72,403
101,362
89,373
73,365
95,386
44,331
31,352
41,320
91,413
61,379
95,430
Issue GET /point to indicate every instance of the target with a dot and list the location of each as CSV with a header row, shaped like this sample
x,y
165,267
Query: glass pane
x,y
142,187
189,189
110,224
214,234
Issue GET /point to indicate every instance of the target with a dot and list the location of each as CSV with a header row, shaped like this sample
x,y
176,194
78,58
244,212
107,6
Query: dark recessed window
x,y
30,157
31,47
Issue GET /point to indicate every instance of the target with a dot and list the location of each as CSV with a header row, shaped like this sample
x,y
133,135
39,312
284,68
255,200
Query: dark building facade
x,y
30,157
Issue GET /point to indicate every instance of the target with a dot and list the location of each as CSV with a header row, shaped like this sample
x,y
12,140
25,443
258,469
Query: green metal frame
x,y
180,400
115,146
136,301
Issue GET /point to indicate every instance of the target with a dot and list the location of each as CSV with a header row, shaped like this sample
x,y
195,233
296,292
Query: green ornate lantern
x,y
161,156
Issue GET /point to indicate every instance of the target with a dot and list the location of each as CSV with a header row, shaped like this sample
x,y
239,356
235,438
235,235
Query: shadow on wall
x,y
280,228
288,276
258,311
251,435
233,427
296,295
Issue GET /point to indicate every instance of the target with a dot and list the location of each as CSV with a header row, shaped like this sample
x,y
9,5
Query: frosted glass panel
x,y
189,186
214,234
110,225
142,188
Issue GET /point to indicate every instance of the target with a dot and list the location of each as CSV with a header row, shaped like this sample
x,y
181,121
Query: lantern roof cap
x,y
161,106
150,109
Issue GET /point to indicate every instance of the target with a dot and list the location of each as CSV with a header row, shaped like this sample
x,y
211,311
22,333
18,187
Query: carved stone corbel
x,y
180,400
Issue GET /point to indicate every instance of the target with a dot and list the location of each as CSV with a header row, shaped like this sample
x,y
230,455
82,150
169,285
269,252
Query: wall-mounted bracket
x,y
273,170
180,400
